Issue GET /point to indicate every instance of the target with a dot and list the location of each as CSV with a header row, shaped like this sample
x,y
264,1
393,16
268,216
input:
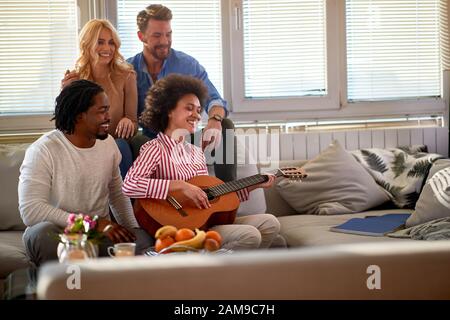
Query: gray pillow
x,y
11,157
434,200
336,184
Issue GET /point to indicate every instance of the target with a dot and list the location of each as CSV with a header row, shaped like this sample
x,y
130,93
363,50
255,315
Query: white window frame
x,y
40,122
240,103
333,106
388,107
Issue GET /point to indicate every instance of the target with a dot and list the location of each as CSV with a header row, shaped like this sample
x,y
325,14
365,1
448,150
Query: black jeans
x,y
224,156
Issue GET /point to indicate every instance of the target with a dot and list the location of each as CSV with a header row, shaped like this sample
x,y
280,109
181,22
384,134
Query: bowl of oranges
x,y
170,239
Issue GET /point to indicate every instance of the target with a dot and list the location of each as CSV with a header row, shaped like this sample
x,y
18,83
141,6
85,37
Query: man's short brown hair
x,y
153,11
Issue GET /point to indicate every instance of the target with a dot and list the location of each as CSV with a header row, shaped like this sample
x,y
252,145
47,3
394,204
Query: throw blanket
x,y
438,229
400,171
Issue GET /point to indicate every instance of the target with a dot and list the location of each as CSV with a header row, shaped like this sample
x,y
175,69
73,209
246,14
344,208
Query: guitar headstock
x,y
293,173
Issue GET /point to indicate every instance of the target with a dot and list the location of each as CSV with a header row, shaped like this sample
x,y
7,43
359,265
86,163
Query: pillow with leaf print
x,y
400,171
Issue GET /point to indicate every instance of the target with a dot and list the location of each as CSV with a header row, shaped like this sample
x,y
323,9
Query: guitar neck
x,y
240,184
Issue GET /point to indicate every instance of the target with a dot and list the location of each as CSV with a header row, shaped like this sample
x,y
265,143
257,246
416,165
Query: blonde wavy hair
x,y
88,43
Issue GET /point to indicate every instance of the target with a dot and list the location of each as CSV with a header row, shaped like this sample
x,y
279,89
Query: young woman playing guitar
x,y
166,164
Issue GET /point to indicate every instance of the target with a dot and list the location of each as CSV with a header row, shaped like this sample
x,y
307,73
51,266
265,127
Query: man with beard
x,y
158,60
75,169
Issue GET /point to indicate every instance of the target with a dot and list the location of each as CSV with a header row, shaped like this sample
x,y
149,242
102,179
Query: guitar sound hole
x,y
209,194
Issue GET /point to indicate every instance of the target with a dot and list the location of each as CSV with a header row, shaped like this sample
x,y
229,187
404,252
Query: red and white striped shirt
x,y
161,160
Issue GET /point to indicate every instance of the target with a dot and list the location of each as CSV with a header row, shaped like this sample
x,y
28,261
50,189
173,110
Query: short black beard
x,y
102,136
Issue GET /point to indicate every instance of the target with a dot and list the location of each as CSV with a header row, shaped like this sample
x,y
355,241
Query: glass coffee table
x,y
21,284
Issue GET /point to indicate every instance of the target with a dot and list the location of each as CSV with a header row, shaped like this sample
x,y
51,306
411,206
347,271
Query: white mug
x,y
124,249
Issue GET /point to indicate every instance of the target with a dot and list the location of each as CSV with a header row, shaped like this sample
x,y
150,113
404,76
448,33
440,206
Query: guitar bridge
x,y
177,206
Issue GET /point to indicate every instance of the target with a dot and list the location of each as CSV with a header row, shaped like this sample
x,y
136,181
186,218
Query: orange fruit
x,y
163,243
184,234
211,234
211,244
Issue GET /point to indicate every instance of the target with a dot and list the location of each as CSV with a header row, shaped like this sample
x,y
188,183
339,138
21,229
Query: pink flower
x,y
82,224
71,218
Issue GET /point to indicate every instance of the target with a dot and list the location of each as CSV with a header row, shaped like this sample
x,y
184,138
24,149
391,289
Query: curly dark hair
x,y
163,97
74,99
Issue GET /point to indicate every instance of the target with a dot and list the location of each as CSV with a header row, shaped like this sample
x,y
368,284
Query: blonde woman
x,y
100,61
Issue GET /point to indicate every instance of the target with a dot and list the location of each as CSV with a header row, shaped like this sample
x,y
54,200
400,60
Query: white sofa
x,y
12,250
318,264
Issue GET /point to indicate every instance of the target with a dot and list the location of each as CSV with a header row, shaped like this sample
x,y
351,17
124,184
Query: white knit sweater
x,y
58,178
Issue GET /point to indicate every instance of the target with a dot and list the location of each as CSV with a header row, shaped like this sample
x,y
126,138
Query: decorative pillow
x,y
400,171
336,184
434,200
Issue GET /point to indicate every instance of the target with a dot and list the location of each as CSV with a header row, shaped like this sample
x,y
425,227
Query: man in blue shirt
x,y
158,60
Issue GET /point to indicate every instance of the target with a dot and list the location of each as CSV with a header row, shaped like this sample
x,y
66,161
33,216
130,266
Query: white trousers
x,y
249,232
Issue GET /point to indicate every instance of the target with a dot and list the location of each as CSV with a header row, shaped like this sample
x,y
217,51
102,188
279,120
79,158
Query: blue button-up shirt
x,y
177,62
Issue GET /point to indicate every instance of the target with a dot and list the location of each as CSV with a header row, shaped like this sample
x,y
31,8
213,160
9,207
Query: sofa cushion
x,y
11,157
434,200
336,184
12,252
312,230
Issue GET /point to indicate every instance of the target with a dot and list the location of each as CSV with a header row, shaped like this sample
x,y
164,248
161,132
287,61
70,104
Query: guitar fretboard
x,y
233,186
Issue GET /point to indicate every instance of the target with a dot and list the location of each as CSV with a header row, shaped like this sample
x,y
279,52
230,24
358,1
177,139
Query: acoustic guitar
x,y
179,211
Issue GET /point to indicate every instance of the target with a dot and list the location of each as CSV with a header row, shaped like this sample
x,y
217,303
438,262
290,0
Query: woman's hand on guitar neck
x,y
191,192
266,184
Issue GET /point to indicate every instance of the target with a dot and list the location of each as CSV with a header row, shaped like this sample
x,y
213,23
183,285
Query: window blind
x,y
38,42
284,48
393,49
196,26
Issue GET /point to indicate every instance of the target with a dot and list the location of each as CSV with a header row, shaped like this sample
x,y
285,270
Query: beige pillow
x,y
434,200
336,184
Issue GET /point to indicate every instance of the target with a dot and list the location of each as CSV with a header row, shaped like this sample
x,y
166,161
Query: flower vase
x,y
75,247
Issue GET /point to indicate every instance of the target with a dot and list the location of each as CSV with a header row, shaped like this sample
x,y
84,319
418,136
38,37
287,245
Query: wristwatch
x,y
216,117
